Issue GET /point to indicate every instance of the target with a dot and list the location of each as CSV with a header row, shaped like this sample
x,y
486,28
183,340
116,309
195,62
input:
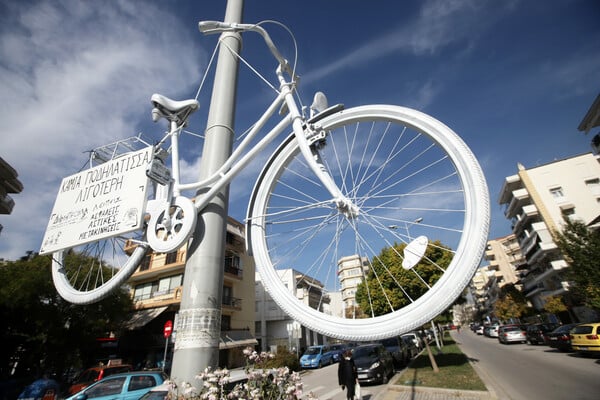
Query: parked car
x,y
125,386
316,357
162,391
493,331
479,330
374,363
43,388
560,338
399,350
585,338
511,334
415,338
411,347
538,333
337,350
94,374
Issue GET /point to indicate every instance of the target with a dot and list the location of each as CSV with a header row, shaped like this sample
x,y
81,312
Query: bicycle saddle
x,y
172,110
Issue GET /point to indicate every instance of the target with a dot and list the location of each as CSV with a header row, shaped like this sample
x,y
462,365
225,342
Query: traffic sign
x,y
168,328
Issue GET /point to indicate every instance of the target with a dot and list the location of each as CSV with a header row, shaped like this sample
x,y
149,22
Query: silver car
x,y
511,333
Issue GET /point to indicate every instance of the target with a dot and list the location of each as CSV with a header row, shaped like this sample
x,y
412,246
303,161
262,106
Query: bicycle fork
x,y
310,150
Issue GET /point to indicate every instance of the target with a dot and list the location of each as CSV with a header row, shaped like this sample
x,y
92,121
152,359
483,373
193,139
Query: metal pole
x,y
198,331
165,354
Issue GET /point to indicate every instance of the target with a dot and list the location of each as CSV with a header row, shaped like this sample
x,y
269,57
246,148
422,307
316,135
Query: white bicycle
x,y
379,203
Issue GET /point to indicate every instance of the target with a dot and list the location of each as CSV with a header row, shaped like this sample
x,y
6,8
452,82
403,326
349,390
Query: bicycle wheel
x,y
88,273
417,190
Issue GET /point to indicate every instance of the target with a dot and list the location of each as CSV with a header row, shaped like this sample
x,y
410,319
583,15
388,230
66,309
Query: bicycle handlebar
x,y
211,27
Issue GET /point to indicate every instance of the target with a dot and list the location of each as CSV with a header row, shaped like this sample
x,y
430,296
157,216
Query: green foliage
x,y
507,308
555,305
47,333
581,249
283,358
511,303
387,275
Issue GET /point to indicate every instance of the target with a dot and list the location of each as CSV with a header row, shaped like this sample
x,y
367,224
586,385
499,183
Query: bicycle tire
x,y
99,273
293,225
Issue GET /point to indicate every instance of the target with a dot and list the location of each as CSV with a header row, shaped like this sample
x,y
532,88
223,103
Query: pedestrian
x,y
347,375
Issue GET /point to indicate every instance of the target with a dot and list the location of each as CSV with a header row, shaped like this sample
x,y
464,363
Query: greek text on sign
x,y
103,201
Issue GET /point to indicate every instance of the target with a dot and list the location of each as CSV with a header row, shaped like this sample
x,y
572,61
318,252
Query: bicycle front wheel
x,y
415,235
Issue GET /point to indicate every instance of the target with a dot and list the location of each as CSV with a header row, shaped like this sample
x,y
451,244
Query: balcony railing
x,y
233,302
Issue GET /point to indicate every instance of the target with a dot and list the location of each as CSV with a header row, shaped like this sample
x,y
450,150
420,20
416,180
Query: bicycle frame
x,y
242,155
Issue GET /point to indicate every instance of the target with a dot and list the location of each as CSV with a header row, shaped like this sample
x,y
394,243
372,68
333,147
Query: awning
x,y
233,339
142,317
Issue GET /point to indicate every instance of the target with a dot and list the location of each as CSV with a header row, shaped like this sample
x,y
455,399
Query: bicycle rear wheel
x,y
419,192
89,273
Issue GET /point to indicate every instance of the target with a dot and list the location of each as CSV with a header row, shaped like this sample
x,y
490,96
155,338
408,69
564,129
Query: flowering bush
x,y
262,383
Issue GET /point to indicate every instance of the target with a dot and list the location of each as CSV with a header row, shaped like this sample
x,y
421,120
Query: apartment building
x,y
274,327
351,272
505,260
535,201
479,287
156,291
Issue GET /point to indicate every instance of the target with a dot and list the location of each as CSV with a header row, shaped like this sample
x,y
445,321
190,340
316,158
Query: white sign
x,y
100,202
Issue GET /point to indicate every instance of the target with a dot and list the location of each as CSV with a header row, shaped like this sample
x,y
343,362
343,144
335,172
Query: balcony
x,y
158,298
231,302
520,198
529,211
534,290
540,252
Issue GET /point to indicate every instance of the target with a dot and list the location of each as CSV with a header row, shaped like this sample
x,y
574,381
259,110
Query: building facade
x,y
351,273
156,291
274,328
536,200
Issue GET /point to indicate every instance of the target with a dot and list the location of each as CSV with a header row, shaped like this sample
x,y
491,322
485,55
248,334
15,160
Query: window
x,y
171,257
164,284
594,186
106,388
225,322
141,382
557,192
142,292
145,264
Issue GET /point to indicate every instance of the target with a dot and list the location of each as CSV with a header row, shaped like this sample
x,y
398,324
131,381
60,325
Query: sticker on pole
x,y
100,202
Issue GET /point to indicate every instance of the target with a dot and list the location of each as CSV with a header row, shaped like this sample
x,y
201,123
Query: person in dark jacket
x,y
347,375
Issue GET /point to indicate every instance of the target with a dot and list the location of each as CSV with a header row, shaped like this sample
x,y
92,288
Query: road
x,y
324,385
524,372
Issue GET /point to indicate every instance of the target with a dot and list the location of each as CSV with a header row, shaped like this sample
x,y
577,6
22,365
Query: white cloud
x,y
76,75
438,24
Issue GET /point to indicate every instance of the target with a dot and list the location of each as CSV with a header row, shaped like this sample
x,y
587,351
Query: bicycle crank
x,y
168,231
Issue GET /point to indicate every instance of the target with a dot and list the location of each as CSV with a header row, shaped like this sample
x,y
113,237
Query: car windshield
x,y
337,347
364,352
583,329
511,328
390,342
313,350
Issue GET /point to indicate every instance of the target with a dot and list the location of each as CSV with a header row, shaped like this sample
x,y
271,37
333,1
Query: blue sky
x,y
512,78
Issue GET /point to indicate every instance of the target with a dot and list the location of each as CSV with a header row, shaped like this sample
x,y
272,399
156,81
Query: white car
x,y
415,338
479,330
494,331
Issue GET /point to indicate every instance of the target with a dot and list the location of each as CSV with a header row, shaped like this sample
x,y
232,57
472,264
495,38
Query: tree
x,y
510,304
43,331
581,248
555,305
386,274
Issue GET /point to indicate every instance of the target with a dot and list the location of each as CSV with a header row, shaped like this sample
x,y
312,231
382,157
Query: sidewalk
x,y
403,392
